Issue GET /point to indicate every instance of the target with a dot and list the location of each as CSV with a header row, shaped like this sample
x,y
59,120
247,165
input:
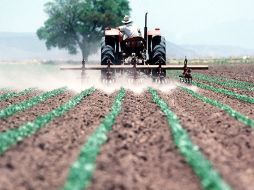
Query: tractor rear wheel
x,y
107,56
158,56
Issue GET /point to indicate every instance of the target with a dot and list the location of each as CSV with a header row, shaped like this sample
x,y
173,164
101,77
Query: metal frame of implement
x,y
136,67
167,67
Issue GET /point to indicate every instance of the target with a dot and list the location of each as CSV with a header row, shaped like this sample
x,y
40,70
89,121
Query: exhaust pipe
x,y
145,30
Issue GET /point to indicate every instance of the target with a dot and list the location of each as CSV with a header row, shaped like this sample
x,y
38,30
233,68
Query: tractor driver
x,y
128,29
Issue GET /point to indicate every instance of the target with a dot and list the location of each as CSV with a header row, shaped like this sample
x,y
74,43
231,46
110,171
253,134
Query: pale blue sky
x,y
229,22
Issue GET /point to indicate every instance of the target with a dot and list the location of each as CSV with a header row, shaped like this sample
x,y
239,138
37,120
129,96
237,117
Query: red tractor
x,y
135,56
135,52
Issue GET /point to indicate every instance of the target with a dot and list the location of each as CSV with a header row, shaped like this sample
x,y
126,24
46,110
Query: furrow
x,y
210,179
223,140
242,89
82,169
239,72
12,136
18,99
13,109
238,82
233,113
241,97
225,82
9,95
234,100
42,108
140,153
47,155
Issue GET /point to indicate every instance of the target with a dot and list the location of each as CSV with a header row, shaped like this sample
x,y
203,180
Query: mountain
x,y
176,51
26,46
219,51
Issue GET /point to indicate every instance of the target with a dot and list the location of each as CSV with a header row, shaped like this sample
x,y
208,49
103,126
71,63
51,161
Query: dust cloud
x,y
47,77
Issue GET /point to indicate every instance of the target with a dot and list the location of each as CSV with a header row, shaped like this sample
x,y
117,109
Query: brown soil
x,y
30,114
42,161
225,141
140,153
238,105
15,100
242,72
236,90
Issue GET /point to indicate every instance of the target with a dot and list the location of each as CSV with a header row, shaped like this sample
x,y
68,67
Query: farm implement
x,y
136,57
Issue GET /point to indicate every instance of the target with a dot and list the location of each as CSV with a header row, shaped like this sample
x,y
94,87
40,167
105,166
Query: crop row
x,y
9,95
14,108
81,171
12,136
225,82
210,179
229,80
233,94
241,97
233,113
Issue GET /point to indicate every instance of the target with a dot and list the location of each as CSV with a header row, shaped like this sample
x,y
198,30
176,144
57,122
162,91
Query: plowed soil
x,y
140,152
238,105
236,90
46,156
242,72
15,100
225,141
30,114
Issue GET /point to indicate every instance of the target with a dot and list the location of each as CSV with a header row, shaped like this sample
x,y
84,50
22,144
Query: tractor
x,y
136,51
135,56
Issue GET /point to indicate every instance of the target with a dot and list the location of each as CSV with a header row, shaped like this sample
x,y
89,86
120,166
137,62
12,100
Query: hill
x,y
26,46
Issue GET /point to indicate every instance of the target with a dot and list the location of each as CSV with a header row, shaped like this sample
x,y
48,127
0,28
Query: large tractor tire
x,y
107,54
158,55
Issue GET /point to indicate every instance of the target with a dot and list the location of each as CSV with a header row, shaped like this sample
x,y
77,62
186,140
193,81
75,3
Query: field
x,y
125,136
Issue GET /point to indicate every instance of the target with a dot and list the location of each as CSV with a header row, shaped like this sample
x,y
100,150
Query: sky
x,y
210,22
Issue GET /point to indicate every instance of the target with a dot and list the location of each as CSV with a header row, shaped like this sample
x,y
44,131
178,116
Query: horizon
x,y
196,45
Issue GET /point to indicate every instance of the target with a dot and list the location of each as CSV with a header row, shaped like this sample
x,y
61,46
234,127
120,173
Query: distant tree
x,y
79,24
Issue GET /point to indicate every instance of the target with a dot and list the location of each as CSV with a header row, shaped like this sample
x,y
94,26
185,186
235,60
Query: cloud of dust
x,y
48,77
137,86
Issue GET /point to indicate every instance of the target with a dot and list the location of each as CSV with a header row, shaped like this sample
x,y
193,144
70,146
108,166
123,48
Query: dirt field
x,y
140,151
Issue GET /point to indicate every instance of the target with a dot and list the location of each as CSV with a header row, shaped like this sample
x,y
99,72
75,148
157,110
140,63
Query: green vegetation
x,y
230,111
210,179
241,97
225,82
216,61
82,169
236,81
14,108
80,24
12,136
9,95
